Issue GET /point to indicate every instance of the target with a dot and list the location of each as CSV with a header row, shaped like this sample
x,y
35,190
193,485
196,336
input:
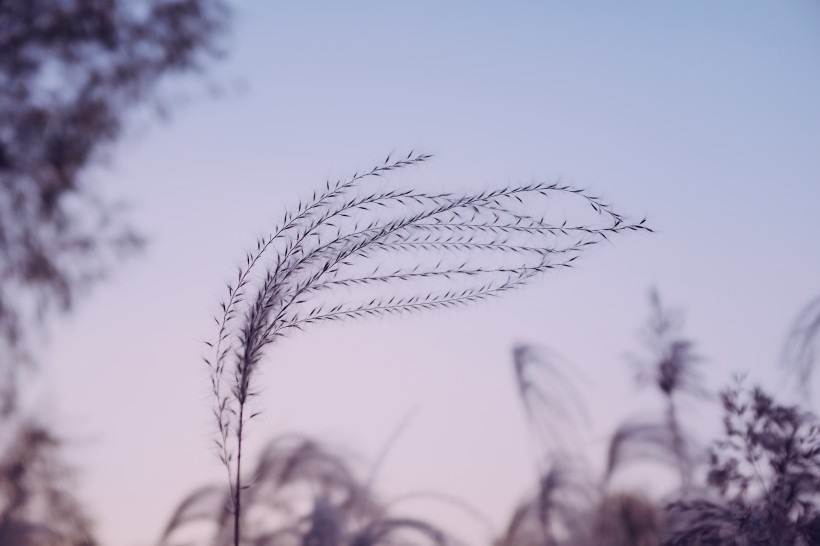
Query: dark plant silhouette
x,y
303,494
762,485
572,508
625,519
358,249
37,507
672,369
642,440
569,507
69,71
557,512
672,364
553,405
553,408
764,478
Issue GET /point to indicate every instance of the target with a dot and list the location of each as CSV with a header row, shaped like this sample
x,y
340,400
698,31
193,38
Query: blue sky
x,y
701,115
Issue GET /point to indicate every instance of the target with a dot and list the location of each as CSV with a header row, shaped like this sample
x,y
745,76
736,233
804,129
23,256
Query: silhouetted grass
x,y
303,494
354,251
758,484
761,480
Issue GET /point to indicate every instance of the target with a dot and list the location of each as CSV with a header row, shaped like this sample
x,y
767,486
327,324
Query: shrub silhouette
x,y
764,478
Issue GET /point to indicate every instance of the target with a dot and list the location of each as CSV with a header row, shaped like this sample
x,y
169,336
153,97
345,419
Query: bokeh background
x,y
702,116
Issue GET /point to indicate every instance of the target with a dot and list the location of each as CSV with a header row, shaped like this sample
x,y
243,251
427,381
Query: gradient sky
x,y
702,115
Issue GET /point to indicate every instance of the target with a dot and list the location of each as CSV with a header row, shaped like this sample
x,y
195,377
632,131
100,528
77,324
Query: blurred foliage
x,y
302,494
764,478
70,70
37,507
758,484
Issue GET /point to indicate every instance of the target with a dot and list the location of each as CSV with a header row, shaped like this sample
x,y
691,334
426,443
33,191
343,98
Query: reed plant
x,y
361,248
306,494
757,484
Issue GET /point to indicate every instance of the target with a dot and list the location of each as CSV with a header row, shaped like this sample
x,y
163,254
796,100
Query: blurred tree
x,y
38,508
69,71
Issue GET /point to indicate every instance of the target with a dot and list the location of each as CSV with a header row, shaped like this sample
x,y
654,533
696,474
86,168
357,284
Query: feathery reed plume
x,y
354,251
673,364
549,398
672,368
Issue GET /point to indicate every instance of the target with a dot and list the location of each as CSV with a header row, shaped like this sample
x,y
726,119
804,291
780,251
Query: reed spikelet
x,y
359,249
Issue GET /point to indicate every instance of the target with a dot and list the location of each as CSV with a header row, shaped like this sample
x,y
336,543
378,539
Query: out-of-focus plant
x,y
555,411
302,494
569,507
801,352
762,481
70,70
672,367
37,507
553,406
556,512
626,519
764,478
360,249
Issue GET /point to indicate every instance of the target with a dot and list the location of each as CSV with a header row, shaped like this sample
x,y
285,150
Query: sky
x,y
703,116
